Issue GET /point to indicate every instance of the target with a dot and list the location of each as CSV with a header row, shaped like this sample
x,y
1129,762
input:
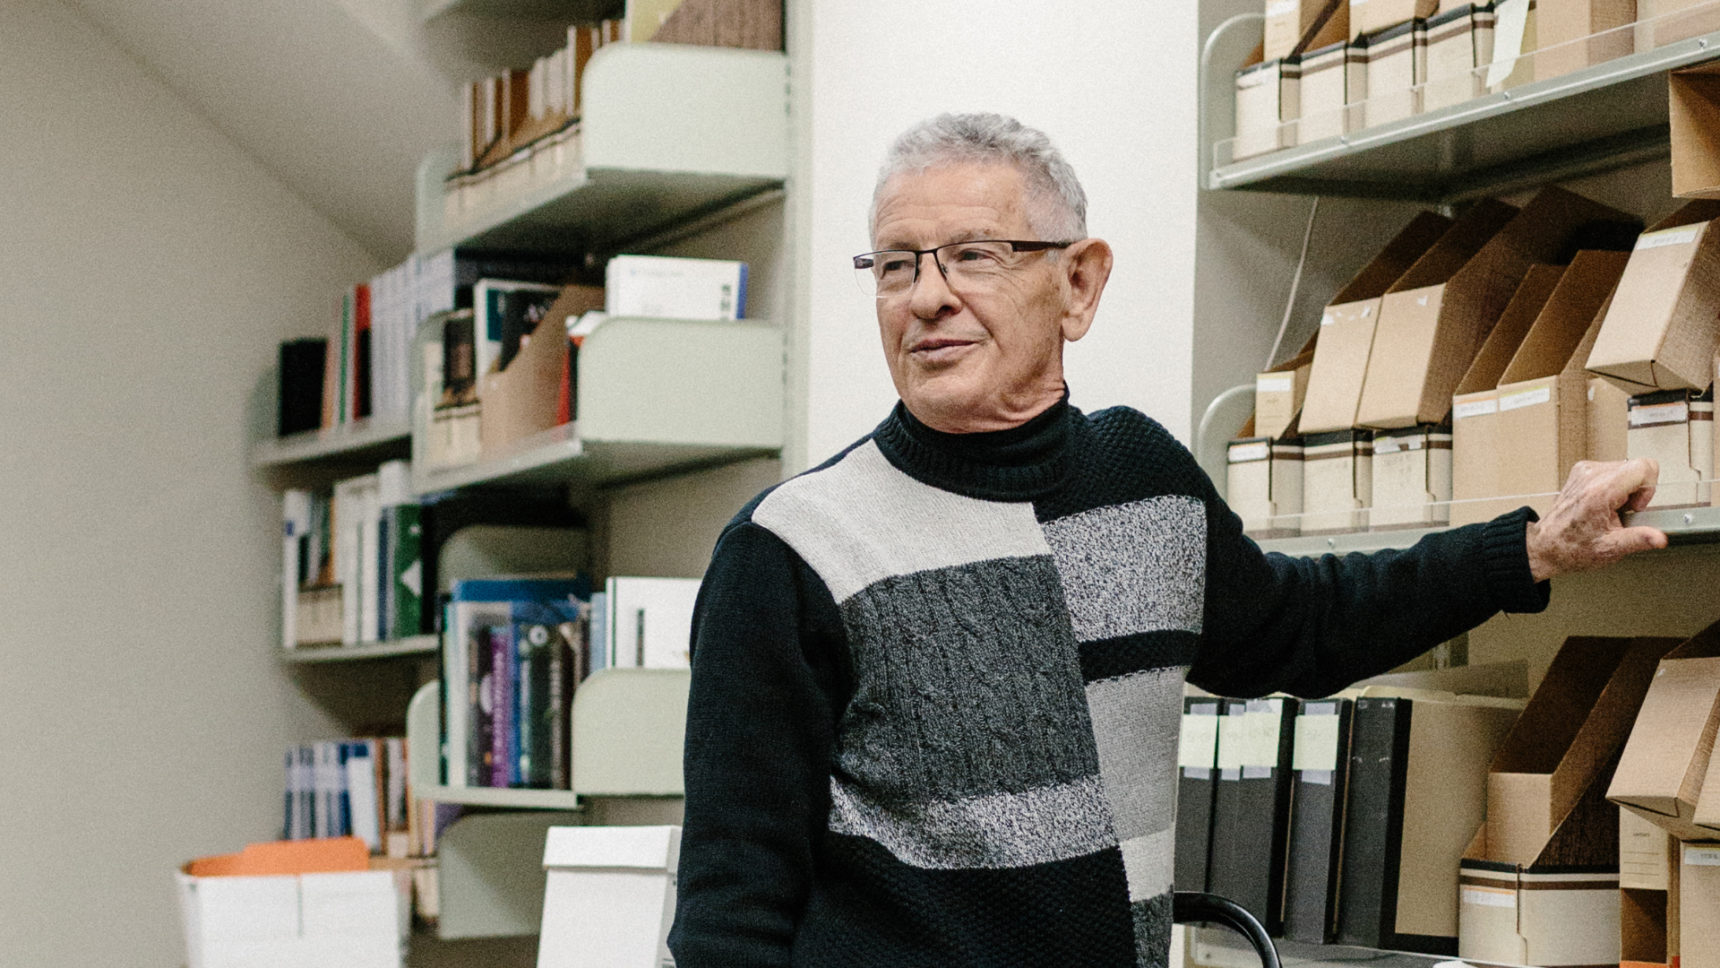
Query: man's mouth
x,y
939,349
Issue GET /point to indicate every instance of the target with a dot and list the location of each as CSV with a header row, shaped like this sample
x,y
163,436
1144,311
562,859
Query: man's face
x,y
970,359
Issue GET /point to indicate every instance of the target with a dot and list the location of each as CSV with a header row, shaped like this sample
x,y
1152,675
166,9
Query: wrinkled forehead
x,y
949,202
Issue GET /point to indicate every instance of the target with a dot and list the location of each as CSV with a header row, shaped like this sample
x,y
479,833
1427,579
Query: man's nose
x,y
931,295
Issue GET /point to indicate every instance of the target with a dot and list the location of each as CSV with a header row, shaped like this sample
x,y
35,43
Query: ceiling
x,y
339,99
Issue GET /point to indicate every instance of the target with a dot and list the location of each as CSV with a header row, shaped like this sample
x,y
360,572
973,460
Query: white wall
x,y
147,271
1112,83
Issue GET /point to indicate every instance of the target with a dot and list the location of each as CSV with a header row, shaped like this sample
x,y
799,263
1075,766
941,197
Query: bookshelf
x,y
654,397
415,646
360,442
669,133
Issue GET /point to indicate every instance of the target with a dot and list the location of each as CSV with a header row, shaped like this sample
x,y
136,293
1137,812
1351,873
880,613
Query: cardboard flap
x,y
1587,836
1556,223
1331,26
1421,234
1461,242
1567,318
1690,213
1574,681
1514,324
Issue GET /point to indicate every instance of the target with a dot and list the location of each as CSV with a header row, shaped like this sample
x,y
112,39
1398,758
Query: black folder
x,y
1320,763
1197,759
1373,823
1251,806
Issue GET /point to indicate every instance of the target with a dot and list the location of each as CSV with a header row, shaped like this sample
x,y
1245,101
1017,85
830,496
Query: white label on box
x,y
1316,743
1264,720
1275,383
1243,453
1385,445
1328,319
1679,236
1657,414
1278,8
1484,898
1475,408
1197,745
1702,856
1230,737
1525,398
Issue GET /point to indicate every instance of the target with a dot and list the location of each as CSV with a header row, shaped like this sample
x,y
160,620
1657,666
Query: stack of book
x,y
349,788
352,561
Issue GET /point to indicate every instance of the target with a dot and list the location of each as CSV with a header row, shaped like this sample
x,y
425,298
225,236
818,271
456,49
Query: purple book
x,y
503,733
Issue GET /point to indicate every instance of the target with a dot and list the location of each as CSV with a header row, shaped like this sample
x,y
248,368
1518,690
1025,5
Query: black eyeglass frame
x,y
867,260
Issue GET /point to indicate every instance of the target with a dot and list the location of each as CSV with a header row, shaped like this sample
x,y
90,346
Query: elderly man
x,y
937,680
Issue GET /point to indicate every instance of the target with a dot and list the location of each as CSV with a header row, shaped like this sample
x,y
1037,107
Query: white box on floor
x,y
350,919
609,897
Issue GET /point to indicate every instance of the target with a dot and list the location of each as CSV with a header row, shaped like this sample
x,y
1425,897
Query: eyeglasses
x,y
974,265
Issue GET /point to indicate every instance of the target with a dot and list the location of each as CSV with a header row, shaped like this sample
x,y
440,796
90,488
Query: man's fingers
x,y
1626,541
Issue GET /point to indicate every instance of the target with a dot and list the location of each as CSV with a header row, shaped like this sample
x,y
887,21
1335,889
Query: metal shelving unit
x,y
417,645
1604,117
670,133
1683,526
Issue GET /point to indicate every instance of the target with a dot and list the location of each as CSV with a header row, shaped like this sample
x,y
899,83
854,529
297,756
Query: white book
x,y
370,560
651,285
362,793
295,524
348,526
650,622
322,784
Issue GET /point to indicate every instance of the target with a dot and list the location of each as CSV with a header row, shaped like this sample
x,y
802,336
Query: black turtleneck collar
x,y
1016,464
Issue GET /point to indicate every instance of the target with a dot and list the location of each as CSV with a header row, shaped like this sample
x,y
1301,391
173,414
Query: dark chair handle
x,y
1192,907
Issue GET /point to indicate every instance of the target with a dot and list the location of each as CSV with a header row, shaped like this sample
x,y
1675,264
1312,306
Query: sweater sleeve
x,y
1313,626
760,738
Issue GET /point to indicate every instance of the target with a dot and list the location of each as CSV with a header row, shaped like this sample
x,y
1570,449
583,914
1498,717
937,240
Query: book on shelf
x,y
505,311
648,622
352,561
299,396
669,286
350,787
496,700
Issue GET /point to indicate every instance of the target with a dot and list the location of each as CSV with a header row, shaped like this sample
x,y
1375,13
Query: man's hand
x,y
1582,530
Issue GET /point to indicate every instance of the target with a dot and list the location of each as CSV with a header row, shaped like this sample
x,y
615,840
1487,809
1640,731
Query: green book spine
x,y
406,571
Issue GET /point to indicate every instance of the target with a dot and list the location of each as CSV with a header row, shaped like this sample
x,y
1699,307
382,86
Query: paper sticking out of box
x,y
1666,760
677,288
1676,429
1515,30
1645,854
1664,325
292,904
1264,486
1346,334
609,897
1435,319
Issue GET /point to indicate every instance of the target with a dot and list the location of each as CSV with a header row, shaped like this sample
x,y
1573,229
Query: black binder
x,y
1197,758
1320,763
1251,806
1373,822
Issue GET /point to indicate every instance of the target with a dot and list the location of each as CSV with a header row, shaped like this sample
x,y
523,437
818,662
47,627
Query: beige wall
x,y
147,271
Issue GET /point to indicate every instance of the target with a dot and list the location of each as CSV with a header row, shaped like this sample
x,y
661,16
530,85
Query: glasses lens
x,y
885,273
975,263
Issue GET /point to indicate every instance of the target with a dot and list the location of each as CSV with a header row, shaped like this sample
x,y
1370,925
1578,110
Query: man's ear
x,y
1086,266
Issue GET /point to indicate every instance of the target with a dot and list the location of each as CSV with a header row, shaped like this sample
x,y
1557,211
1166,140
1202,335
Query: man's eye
x,y
975,253
895,264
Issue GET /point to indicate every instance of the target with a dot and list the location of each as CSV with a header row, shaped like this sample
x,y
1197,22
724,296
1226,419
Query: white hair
x,y
1057,207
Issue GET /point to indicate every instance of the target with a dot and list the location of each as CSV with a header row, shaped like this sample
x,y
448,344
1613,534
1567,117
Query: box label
x,y
1475,408
1316,743
1679,236
1525,398
1275,383
1260,733
1199,739
1702,856
1243,453
1230,739
1658,414
1484,898
1278,8
1385,445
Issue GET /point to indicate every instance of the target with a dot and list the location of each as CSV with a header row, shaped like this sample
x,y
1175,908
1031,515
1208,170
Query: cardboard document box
x,y
1417,791
525,397
1664,325
1372,16
1698,899
1693,107
1434,320
1543,917
609,897
1337,481
1279,392
1666,759
1541,428
1412,478
1608,419
1575,34
1662,22
1459,48
1323,97
292,904
1291,24
1676,429
678,288
1346,335
1475,474
1264,486
1397,66
1266,107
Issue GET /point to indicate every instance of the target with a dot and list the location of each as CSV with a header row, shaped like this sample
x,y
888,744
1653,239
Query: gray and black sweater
x,y
937,684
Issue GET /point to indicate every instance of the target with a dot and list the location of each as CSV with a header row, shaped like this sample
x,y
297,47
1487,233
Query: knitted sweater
x,y
937,684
